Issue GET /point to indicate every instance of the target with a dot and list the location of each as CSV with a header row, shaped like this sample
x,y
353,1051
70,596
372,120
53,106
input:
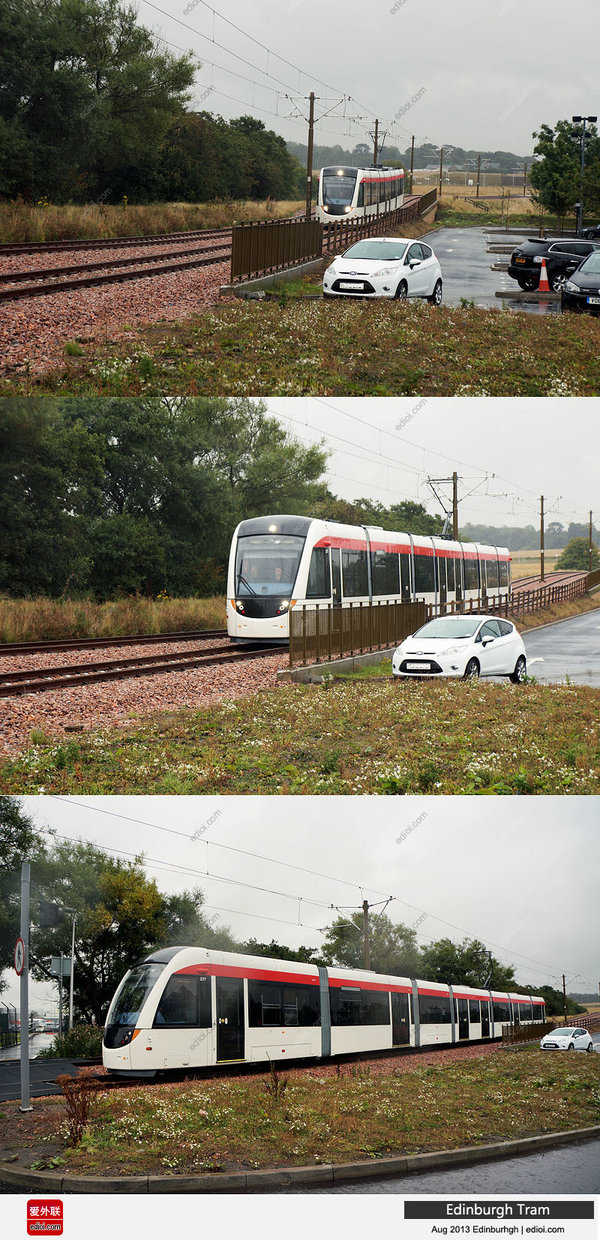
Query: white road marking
x,y
538,660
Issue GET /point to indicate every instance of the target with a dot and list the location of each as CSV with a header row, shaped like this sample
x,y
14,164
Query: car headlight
x,y
385,271
570,287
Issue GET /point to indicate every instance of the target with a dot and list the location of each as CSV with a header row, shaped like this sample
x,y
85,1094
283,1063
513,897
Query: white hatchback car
x,y
462,645
395,267
570,1038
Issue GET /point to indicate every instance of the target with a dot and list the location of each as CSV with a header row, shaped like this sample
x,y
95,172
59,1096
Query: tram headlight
x,y
347,210
240,607
283,606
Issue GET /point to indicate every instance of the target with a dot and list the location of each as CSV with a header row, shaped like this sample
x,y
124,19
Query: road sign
x,y
19,956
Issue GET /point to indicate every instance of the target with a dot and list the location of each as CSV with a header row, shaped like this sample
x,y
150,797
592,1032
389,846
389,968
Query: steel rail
x,y
44,290
12,685
89,643
46,273
98,243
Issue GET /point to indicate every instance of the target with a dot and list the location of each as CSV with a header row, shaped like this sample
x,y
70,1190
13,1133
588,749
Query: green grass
x,y
348,349
387,738
212,1126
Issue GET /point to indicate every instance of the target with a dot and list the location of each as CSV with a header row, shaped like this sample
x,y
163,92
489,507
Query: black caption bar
x,y
499,1209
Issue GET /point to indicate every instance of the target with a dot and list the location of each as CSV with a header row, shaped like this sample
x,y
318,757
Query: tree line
x,y
94,107
121,916
103,497
556,171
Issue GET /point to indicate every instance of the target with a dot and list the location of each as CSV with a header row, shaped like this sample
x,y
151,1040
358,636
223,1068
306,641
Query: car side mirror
x,y
485,641
415,262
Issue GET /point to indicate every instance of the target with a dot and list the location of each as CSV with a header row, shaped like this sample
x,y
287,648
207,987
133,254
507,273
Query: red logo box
x,y
45,1217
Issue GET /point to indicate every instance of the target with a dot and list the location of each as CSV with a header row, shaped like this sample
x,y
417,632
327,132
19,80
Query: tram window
x,y
492,574
451,574
385,571
273,1004
355,576
353,1006
319,585
360,202
424,574
474,1013
503,572
525,1011
435,1009
471,575
405,572
185,1002
538,1011
501,1012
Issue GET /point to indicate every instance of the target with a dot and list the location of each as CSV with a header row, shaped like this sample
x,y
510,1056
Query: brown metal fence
x,y
260,249
320,633
521,602
271,246
530,1033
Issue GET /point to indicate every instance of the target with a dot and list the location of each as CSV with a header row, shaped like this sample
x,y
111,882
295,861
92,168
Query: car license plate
x,y
593,301
350,284
519,260
418,667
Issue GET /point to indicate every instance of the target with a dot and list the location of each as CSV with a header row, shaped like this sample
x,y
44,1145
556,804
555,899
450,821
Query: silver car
x,y
462,645
567,1038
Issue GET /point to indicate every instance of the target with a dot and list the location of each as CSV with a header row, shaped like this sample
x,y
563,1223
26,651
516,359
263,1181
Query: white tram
x,y
189,1007
276,562
353,193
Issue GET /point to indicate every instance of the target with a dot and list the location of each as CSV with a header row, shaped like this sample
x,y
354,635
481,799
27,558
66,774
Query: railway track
x,y
534,582
48,247
90,643
50,281
39,680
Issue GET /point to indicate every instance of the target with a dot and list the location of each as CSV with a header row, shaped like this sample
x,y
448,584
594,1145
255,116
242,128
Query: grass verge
x,y
42,619
347,349
51,222
214,1125
387,739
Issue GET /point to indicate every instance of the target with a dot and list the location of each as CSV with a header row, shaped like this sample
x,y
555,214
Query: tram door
x,y
230,1018
463,1018
485,1019
336,577
441,568
400,1020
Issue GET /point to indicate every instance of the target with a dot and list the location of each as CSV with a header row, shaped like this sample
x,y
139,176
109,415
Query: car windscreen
x,y
562,1033
591,264
448,626
132,994
388,251
267,564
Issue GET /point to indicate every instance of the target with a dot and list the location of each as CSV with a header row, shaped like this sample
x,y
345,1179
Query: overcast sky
x,y
521,874
487,75
533,447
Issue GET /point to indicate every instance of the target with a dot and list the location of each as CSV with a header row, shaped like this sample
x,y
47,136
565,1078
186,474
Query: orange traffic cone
x,y
543,286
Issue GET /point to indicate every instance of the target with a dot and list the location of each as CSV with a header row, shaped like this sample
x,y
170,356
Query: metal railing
x,y
530,1032
319,633
265,248
261,249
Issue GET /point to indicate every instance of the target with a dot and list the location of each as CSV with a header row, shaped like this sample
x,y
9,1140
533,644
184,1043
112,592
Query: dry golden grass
x,y
20,222
524,563
41,619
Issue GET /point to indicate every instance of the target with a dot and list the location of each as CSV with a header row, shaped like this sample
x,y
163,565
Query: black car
x,y
582,289
592,233
562,257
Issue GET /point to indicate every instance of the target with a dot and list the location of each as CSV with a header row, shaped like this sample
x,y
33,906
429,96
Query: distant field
x,y
20,222
524,563
490,195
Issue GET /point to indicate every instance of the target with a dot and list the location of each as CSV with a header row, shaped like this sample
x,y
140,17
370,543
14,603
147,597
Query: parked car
x,y
592,233
562,258
394,267
570,1038
582,289
462,645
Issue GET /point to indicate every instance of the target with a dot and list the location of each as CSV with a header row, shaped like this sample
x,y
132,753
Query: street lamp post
x,y
581,120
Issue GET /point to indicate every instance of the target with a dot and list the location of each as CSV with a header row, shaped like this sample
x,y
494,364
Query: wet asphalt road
x,y
570,648
466,269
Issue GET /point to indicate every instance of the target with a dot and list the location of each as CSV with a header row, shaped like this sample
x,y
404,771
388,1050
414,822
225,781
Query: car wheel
x,y
436,296
590,1047
471,670
571,1046
527,283
520,672
557,282
402,291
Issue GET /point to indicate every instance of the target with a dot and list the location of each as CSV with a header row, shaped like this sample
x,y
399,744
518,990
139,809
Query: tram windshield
x,y
267,564
338,188
132,994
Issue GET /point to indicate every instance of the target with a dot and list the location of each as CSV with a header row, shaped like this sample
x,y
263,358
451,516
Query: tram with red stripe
x,y
355,193
191,1007
280,561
